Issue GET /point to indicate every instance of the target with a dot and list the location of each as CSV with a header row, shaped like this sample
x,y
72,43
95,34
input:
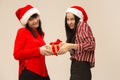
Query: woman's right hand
x,y
45,51
64,47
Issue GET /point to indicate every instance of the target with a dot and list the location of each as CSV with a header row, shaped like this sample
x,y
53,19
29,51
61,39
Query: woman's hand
x,y
44,50
64,47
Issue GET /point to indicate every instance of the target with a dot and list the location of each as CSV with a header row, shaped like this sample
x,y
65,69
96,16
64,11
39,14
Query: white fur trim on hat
x,y
76,12
28,14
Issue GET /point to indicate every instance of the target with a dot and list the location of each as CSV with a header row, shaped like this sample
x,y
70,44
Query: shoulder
x,y
22,30
21,34
83,25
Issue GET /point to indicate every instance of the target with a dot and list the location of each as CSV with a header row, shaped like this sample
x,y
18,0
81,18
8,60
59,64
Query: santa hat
x,y
79,12
24,13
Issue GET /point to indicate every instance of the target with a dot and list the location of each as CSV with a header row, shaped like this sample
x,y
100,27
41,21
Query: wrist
x,y
73,46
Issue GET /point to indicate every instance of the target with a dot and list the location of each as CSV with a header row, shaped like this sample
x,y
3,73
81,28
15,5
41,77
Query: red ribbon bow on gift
x,y
55,49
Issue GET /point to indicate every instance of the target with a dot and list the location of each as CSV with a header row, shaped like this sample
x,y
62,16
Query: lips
x,y
35,23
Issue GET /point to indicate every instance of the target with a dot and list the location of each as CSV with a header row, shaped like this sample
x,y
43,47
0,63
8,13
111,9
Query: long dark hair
x,y
39,29
70,33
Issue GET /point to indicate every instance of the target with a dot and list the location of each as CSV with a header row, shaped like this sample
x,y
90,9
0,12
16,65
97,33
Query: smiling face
x,y
70,20
33,21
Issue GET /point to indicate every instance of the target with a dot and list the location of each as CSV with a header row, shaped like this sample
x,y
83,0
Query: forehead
x,y
69,15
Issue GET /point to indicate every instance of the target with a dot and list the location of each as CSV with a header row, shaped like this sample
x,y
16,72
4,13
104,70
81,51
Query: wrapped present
x,y
55,46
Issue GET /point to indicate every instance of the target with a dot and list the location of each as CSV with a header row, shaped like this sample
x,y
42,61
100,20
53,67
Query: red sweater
x,y
26,51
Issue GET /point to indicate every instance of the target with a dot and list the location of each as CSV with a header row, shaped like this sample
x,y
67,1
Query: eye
x,y
31,19
72,18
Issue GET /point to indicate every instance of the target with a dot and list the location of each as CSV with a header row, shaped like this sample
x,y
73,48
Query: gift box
x,y
55,46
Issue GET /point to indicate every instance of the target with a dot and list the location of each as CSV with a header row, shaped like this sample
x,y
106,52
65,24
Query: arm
x,y
85,39
64,47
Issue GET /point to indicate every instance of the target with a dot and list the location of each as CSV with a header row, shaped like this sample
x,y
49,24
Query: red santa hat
x,y
79,12
24,13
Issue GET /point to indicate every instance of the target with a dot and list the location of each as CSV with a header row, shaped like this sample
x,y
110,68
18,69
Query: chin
x,y
36,26
71,27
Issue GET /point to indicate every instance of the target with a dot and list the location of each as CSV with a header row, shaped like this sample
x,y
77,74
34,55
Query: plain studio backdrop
x,y
104,20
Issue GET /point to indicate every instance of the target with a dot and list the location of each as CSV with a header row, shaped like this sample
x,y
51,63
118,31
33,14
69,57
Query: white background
x,y
104,19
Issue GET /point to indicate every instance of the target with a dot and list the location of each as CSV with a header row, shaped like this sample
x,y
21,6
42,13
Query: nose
x,y
35,20
69,22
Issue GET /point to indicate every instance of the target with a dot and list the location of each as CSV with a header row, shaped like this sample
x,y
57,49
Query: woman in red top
x,y
29,46
80,43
